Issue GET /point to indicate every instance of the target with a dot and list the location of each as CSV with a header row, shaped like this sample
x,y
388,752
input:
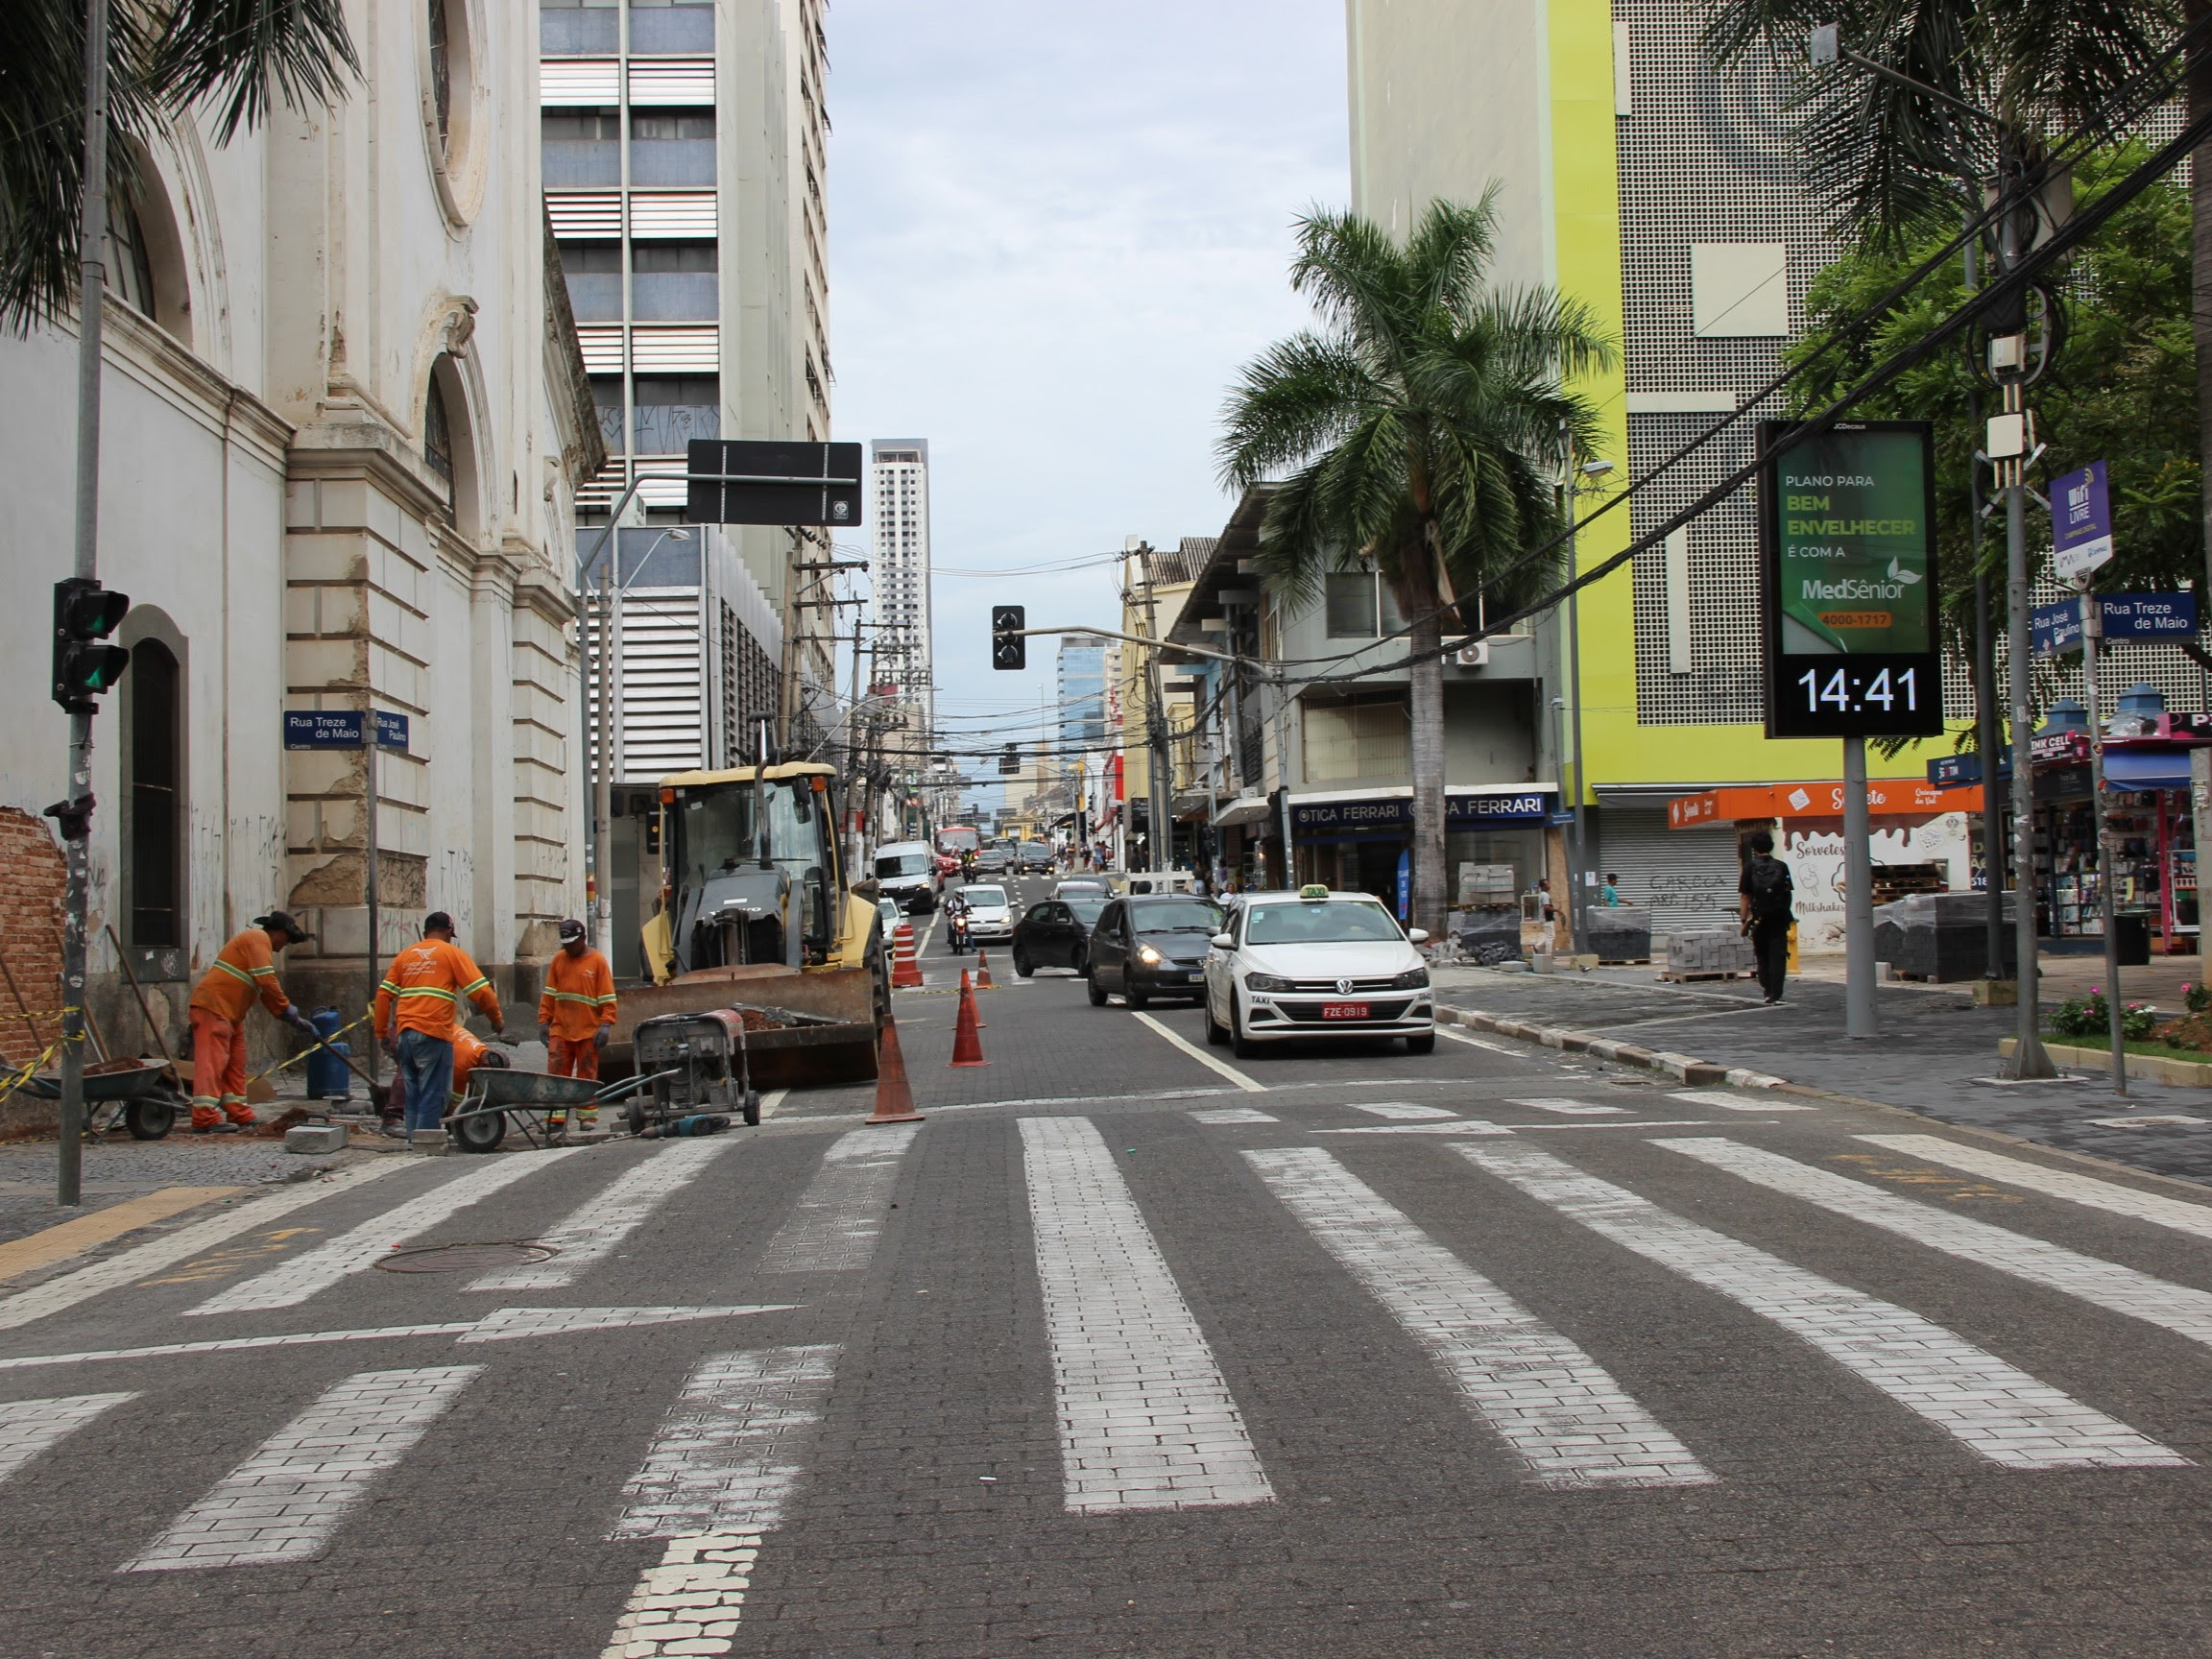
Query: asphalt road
x,y
1131,1350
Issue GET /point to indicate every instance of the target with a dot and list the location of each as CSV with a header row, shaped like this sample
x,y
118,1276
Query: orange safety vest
x,y
245,969
579,994
424,985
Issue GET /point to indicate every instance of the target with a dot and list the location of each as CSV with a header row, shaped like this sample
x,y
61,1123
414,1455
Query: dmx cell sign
x,y
1847,577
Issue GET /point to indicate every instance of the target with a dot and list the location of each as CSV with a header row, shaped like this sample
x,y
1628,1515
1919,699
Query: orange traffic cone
x,y
968,1001
966,1046
906,965
983,971
893,1100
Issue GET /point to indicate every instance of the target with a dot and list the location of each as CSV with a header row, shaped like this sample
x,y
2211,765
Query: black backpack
x,y
1770,879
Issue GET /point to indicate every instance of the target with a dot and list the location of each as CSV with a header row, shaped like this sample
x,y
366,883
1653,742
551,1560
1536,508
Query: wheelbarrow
x,y
498,1098
138,1095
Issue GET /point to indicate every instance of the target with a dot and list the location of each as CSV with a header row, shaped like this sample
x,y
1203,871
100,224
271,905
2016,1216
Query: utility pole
x,y
75,847
1162,831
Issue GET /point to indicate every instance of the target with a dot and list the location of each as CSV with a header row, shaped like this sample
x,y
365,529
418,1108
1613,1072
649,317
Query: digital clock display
x,y
1848,580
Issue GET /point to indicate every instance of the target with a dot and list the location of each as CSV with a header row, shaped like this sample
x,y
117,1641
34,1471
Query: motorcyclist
x,y
956,909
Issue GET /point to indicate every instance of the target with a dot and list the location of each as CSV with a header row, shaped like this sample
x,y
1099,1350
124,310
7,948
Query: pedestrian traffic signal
x,y
85,614
1008,648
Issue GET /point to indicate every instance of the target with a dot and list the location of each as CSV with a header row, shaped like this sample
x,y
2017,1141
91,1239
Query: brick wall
x,y
32,876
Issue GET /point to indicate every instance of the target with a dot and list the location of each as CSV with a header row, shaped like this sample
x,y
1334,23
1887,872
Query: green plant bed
x,y
2135,1046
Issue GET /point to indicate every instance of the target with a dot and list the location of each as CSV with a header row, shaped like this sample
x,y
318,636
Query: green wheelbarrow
x,y
140,1097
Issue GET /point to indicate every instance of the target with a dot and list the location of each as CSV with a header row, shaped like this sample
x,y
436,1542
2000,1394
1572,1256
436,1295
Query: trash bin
x,y
2131,934
327,1078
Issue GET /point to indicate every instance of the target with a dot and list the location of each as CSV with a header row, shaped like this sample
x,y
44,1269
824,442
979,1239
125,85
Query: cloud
x,y
1056,234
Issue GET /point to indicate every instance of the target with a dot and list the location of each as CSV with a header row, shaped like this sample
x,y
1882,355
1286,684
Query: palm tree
x,y
1423,426
164,56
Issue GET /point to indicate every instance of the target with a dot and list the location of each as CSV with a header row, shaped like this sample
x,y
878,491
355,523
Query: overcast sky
x,y
1055,233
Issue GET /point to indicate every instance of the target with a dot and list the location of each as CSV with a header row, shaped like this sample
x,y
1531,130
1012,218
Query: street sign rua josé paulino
x,y
1847,581
772,481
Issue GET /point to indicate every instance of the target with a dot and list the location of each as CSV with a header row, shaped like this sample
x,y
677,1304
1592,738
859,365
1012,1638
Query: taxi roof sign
x,y
1314,890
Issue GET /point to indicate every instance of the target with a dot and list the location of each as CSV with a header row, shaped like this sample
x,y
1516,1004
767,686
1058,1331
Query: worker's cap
x,y
572,930
282,921
437,922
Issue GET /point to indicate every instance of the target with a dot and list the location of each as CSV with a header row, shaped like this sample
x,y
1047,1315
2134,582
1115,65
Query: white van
x,y
907,870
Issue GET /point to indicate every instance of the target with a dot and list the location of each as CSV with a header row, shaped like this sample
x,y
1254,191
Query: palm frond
x,y
240,52
1298,396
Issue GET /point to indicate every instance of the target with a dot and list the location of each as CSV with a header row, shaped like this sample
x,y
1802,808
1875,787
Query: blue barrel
x,y
327,1078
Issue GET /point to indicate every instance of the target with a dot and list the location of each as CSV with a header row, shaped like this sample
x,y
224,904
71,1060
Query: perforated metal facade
x,y
1703,158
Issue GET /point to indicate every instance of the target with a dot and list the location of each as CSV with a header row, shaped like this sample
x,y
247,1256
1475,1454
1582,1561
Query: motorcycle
x,y
957,923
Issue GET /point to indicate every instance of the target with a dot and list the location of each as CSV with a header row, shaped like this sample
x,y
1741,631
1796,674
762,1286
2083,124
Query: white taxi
x,y
1316,963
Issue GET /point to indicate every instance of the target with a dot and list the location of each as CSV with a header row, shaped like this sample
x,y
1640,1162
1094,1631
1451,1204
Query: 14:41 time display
x,y
1844,692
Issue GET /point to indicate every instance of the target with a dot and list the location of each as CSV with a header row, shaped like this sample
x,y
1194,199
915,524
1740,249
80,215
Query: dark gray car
x,y
1152,945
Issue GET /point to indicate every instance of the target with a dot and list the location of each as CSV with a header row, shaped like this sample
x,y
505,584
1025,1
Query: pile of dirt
x,y
274,1129
2191,1031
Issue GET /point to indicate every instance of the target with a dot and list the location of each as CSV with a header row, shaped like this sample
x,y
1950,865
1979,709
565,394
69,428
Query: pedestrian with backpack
x,y
1764,896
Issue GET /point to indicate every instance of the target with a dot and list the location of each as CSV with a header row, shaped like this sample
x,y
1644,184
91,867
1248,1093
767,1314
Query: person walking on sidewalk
x,y
245,971
419,1012
1763,899
575,1018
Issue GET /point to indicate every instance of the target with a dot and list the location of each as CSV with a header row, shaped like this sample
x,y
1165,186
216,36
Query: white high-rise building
x,y
899,566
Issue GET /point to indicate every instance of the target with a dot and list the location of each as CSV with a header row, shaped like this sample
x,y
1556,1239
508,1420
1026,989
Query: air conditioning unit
x,y
1473,656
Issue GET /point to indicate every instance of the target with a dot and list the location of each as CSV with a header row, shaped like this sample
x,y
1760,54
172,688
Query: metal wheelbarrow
x,y
139,1097
497,1097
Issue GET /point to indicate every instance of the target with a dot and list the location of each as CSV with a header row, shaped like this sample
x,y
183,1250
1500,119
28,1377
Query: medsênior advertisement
x,y
1853,541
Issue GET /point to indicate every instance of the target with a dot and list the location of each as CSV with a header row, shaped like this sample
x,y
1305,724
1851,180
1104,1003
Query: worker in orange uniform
x,y
467,1055
575,1017
245,971
419,1015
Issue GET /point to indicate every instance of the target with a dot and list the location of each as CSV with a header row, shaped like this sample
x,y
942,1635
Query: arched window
x,y
438,434
154,788
146,266
442,73
131,272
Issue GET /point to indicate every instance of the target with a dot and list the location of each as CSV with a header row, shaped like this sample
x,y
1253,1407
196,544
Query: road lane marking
x,y
143,1261
731,1451
60,1242
590,1234
355,1251
2155,1207
1991,1407
1569,1108
28,1427
772,1102
1447,1032
1457,1126
721,1467
1234,1115
285,1502
833,1227
503,1325
1399,1109
1553,1405
1728,1102
2181,1309
1147,1421
1213,1062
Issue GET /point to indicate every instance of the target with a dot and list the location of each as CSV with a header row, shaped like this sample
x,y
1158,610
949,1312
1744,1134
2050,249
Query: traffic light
x,y
1010,760
1008,648
85,614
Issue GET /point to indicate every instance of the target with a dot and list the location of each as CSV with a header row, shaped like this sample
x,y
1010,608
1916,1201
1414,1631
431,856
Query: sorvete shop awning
x,y
1886,798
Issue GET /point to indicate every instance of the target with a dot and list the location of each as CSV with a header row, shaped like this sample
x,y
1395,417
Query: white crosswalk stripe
x,y
591,1233
1728,1101
355,1251
1568,1108
1147,1421
143,1261
833,1227
1227,1114
1550,1402
1405,1109
1989,1406
2181,1309
284,1502
28,1427
2155,1207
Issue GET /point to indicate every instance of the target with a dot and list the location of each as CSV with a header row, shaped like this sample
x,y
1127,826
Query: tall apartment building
x,y
684,162
899,568
1082,693
1666,198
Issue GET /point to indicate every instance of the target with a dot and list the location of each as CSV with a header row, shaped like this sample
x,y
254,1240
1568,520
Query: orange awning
x,y
1886,798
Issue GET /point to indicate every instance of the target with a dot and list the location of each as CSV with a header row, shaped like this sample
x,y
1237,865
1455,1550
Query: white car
x,y
990,914
1316,963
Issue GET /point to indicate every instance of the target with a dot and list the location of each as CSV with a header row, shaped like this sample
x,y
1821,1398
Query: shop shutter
x,y
1686,876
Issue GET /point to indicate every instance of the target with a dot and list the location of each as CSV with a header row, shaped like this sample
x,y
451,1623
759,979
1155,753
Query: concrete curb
x,y
1681,1066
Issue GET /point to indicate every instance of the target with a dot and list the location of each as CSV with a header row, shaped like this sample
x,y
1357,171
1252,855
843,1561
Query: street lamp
x,y
1577,909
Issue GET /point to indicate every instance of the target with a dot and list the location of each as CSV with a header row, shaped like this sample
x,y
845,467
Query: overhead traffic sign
x,y
772,481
